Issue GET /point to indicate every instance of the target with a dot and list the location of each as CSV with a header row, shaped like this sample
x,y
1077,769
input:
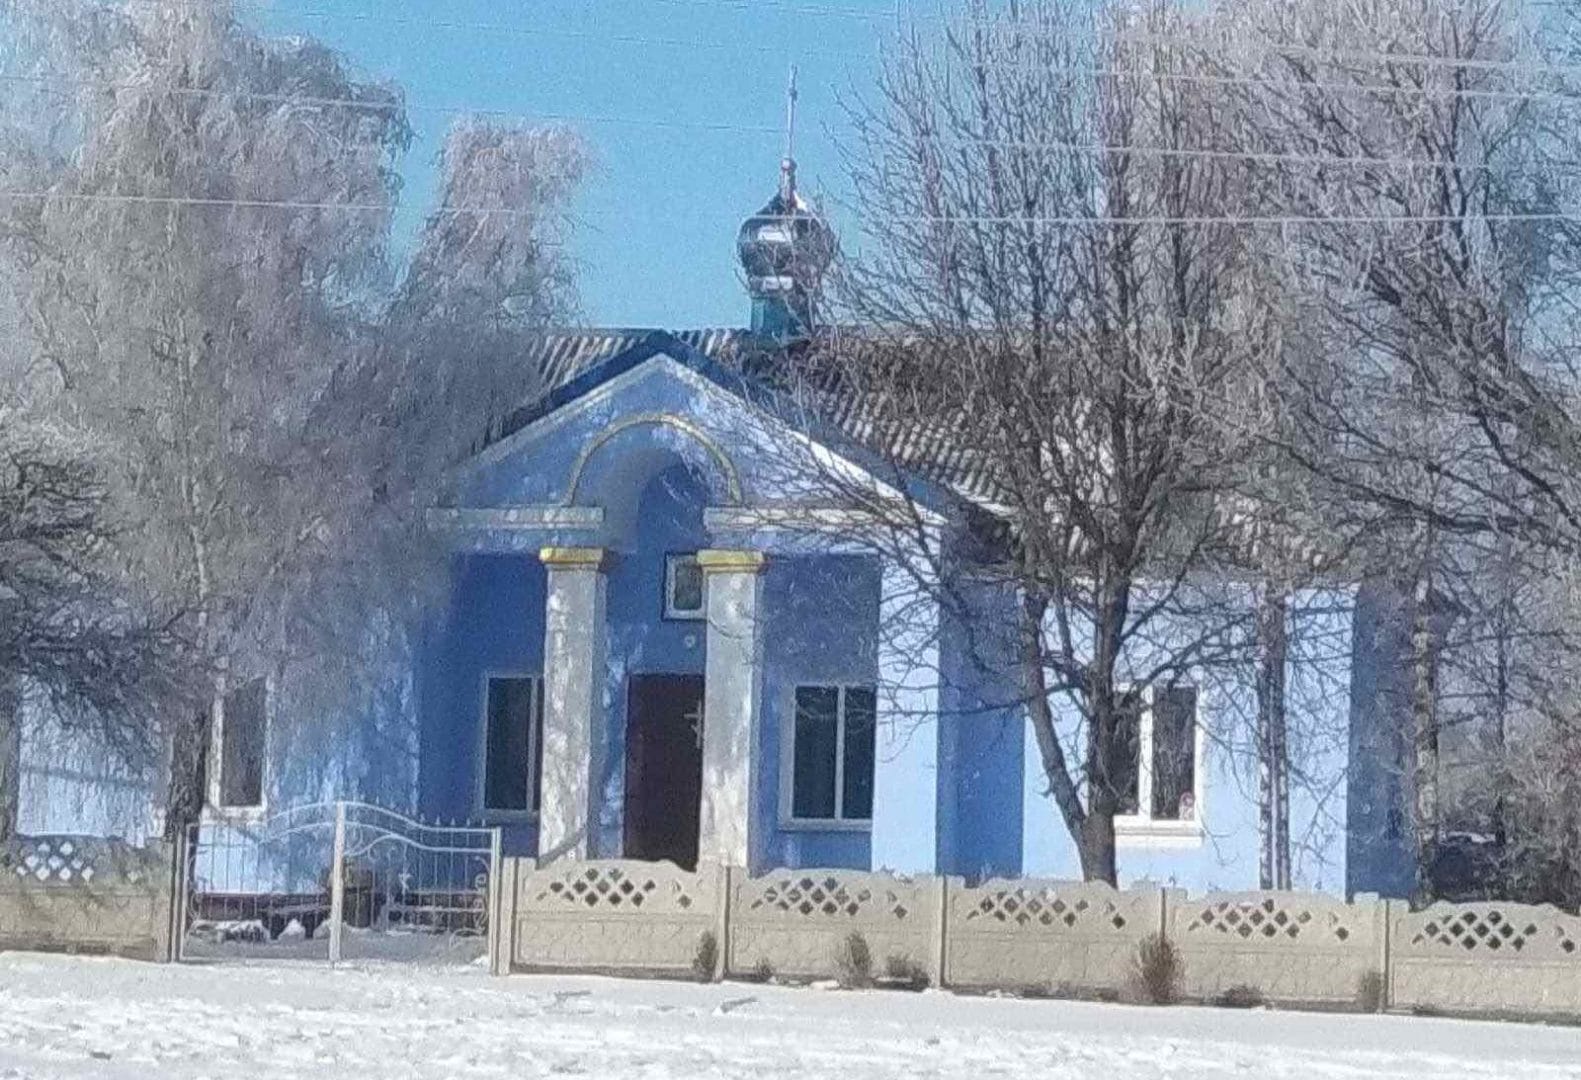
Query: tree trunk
x,y
1096,844
10,757
1041,716
1424,732
188,782
1273,751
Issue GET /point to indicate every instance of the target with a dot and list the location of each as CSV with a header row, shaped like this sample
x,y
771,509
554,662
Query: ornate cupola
x,y
785,249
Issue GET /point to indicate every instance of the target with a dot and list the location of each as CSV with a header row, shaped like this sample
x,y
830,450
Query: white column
x,y
906,769
573,717
732,691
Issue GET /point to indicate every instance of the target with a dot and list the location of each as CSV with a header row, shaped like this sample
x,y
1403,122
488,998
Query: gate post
x,y
181,900
337,884
494,901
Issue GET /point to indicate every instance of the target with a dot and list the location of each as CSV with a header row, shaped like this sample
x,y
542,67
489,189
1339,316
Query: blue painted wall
x,y
1380,848
981,744
820,628
1228,856
494,624
69,786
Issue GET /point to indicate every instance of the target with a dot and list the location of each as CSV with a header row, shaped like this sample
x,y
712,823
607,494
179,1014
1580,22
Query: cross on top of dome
x,y
785,248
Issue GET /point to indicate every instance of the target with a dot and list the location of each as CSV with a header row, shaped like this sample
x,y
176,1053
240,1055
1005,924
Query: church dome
x,y
785,248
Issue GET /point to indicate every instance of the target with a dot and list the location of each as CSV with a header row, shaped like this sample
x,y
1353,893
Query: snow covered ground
x,y
65,1017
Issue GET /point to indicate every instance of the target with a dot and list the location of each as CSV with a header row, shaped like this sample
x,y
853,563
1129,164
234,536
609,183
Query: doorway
x,y
664,767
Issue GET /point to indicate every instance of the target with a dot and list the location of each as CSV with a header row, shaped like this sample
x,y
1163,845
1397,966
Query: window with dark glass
x,y
512,751
1174,753
833,751
244,720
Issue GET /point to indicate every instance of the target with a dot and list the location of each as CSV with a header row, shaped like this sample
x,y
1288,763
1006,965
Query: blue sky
x,y
656,225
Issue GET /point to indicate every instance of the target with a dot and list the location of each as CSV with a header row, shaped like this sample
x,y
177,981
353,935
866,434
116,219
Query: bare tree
x,y
232,334
1419,178
73,635
1053,329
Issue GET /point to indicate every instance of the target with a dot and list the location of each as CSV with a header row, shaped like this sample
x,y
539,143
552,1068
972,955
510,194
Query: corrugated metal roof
x,y
562,355
930,451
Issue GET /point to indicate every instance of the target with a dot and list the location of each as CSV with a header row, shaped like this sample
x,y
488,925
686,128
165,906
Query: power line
x,y
1353,89
1224,219
515,30
1024,28
1039,31
1090,70
64,86
1333,55
1263,157
813,10
506,29
250,204
1052,220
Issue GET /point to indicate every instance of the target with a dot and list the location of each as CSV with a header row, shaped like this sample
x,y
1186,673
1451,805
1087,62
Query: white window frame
x,y
214,808
1142,829
671,561
788,819
534,783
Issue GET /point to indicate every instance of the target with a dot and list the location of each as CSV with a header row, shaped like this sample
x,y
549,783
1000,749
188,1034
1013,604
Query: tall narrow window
x,y
1125,759
1156,767
1174,753
512,754
244,721
856,774
832,754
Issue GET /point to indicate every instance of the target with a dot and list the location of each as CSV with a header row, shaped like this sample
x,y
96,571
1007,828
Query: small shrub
x,y
761,972
1158,971
904,973
1369,992
853,962
706,961
1241,996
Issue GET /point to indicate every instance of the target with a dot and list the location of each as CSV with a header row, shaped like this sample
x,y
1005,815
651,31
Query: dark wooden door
x,y
664,767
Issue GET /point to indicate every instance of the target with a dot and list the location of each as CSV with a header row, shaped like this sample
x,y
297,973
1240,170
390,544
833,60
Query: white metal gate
x,y
339,881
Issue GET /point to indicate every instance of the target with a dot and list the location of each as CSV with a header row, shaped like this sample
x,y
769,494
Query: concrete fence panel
x,y
1292,948
85,894
616,916
795,922
1488,958
1060,936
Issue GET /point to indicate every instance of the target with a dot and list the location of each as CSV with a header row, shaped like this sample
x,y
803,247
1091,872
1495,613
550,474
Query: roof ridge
x,y
626,331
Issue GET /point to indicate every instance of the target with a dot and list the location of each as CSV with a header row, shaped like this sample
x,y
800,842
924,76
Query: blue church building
x,y
660,644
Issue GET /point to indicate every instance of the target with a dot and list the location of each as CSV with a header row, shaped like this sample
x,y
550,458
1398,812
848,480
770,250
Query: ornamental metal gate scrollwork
x,y
339,881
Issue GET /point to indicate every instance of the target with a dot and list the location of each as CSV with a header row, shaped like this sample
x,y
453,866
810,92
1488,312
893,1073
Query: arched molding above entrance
x,y
721,461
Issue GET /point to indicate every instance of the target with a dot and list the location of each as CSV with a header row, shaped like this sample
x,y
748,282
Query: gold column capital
x,y
572,558
717,561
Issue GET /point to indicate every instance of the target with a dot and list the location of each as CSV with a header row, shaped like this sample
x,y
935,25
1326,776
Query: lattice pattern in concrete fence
x,y
1060,936
1296,948
1291,948
795,921
85,894
1487,958
613,915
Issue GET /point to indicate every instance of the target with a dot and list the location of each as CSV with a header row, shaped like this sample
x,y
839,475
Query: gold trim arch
x,y
722,460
